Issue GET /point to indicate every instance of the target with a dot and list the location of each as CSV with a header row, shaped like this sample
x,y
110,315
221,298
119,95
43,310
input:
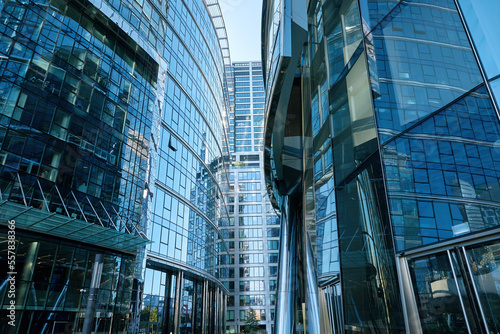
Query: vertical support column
x,y
312,303
166,305
287,278
205,308
222,312
92,299
194,314
27,273
297,282
217,310
178,295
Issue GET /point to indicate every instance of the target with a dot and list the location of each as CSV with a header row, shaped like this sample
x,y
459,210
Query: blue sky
x,y
242,18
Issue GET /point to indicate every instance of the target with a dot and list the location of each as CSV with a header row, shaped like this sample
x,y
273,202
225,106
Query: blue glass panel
x,y
483,23
422,61
448,170
495,86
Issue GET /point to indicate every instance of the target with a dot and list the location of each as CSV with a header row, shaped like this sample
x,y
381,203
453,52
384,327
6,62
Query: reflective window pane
x,y
436,294
483,23
485,267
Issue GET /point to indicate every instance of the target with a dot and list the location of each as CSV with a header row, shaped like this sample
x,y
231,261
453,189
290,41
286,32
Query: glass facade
x,y
113,120
252,227
400,132
52,284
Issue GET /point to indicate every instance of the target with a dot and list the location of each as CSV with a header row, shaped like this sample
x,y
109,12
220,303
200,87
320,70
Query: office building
x,y
382,154
112,126
253,231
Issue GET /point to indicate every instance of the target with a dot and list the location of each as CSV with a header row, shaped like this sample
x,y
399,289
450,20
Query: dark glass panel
x,y
437,296
186,310
368,273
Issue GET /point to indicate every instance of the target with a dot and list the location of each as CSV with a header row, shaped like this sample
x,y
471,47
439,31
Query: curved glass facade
x,y
112,132
400,153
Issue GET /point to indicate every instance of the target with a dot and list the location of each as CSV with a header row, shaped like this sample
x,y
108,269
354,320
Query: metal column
x,y
88,322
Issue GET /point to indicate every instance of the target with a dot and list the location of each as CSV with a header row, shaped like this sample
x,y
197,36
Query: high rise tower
x,y
253,231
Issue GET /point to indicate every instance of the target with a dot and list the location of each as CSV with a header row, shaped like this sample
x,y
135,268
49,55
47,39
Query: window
x,y
252,300
250,220
247,186
251,245
229,285
273,244
272,298
250,198
273,220
243,123
252,157
227,259
256,208
252,272
251,286
259,314
273,232
250,233
227,222
258,120
228,233
251,258
249,175
227,272
242,89
272,258
242,130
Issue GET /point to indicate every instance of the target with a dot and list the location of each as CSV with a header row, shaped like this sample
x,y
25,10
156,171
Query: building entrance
x,y
457,290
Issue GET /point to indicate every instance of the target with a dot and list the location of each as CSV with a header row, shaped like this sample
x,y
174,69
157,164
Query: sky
x,y
242,18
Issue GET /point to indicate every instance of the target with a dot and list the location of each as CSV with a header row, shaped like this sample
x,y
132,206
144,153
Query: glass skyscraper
x,y
253,229
112,166
382,151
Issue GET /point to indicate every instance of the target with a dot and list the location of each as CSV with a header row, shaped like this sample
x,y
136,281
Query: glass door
x,y
484,265
458,290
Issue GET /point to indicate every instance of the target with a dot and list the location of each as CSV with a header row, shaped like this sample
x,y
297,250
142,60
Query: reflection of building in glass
x,y
381,152
112,134
252,232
